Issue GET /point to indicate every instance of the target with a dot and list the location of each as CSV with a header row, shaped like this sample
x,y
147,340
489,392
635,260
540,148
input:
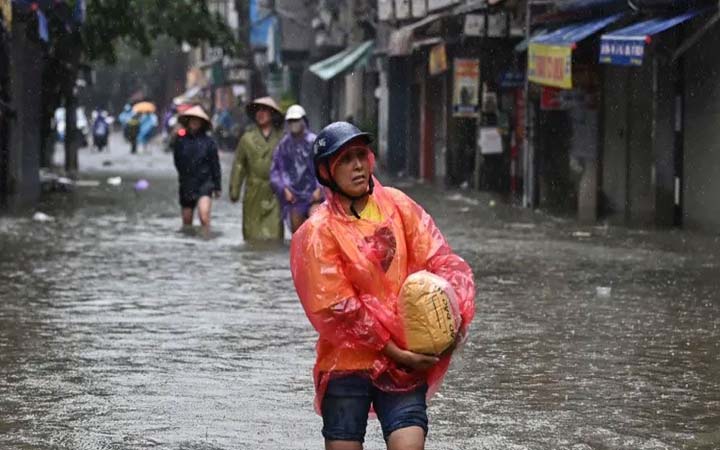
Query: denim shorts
x,y
346,405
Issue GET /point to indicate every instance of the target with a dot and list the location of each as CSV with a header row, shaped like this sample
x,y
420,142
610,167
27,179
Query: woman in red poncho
x,y
349,261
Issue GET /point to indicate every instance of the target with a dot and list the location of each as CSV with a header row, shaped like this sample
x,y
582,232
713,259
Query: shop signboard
x,y
622,52
490,141
497,25
511,79
402,9
385,10
438,60
419,8
550,65
474,25
466,87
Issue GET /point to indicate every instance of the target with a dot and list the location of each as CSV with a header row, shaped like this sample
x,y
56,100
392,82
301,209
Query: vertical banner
x,y
438,60
550,65
466,87
6,11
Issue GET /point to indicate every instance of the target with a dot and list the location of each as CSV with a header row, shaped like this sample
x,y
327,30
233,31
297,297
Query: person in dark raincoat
x,y
198,166
292,175
253,157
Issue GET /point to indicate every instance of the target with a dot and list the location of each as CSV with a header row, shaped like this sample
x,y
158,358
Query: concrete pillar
x,y
25,136
588,194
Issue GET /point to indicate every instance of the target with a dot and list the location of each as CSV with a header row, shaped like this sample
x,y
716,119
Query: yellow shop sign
x,y
550,65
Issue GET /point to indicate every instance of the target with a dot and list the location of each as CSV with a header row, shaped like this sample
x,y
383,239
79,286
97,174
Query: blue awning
x,y
522,46
570,34
626,46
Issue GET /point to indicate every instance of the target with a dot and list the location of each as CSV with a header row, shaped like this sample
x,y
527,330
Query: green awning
x,y
338,63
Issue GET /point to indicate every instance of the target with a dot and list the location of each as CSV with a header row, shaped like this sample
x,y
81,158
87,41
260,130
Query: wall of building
x,y
702,134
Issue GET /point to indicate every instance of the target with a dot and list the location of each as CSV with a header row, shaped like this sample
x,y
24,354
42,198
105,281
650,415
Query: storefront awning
x,y
522,46
571,34
347,59
401,40
626,46
550,54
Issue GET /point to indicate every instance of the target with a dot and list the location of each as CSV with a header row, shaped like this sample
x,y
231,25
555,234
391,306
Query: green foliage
x,y
138,23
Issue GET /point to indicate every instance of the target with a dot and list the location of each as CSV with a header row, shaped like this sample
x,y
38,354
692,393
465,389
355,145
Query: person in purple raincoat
x,y
292,174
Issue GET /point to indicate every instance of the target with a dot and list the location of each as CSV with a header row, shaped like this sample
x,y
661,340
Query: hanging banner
x,y
466,87
438,60
550,65
490,141
6,10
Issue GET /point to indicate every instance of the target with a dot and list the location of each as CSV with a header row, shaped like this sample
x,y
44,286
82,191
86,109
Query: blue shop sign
x,y
622,52
626,46
512,79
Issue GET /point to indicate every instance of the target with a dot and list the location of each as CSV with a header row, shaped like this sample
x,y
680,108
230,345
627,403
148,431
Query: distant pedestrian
x,y
132,128
198,166
253,157
148,127
100,130
292,175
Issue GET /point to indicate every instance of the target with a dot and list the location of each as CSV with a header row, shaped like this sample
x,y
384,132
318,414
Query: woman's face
x,y
263,117
352,169
195,124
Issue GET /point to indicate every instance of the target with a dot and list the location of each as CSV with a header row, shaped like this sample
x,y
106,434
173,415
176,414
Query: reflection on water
x,y
119,330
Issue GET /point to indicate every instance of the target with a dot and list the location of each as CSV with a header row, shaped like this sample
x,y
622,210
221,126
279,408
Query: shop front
x,y
564,99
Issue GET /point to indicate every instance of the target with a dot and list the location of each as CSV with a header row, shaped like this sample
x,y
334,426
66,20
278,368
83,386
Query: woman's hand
x,y
289,196
317,195
412,360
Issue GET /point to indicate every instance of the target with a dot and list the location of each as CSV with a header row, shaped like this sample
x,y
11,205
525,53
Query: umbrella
x,y
144,107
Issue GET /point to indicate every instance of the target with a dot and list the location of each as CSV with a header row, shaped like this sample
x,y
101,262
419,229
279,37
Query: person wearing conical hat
x,y
253,157
196,160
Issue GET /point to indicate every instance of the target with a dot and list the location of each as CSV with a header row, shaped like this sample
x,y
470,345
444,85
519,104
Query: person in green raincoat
x,y
262,219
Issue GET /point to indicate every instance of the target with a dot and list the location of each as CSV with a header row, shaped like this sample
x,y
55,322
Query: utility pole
x,y
530,182
255,87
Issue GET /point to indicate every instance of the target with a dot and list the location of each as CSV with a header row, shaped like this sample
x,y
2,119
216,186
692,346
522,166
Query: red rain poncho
x,y
348,273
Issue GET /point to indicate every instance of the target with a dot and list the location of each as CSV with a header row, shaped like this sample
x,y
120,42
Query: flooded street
x,y
118,330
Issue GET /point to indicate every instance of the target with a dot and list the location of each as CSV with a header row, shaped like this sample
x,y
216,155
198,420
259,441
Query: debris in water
x,y
107,163
87,183
42,217
492,203
142,185
603,291
582,234
114,181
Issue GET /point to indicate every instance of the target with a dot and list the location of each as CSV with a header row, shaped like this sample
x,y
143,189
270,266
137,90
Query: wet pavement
x,y
118,330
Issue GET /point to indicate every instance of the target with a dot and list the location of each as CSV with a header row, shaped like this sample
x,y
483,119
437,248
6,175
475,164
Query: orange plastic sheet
x,y
348,273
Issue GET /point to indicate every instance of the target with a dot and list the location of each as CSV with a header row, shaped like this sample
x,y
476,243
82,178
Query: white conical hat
x,y
295,112
195,111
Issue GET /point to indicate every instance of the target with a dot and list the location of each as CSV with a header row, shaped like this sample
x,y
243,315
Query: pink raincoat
x,y
348,273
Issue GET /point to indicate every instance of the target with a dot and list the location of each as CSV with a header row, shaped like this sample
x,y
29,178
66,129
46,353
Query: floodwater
x,y
118,330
